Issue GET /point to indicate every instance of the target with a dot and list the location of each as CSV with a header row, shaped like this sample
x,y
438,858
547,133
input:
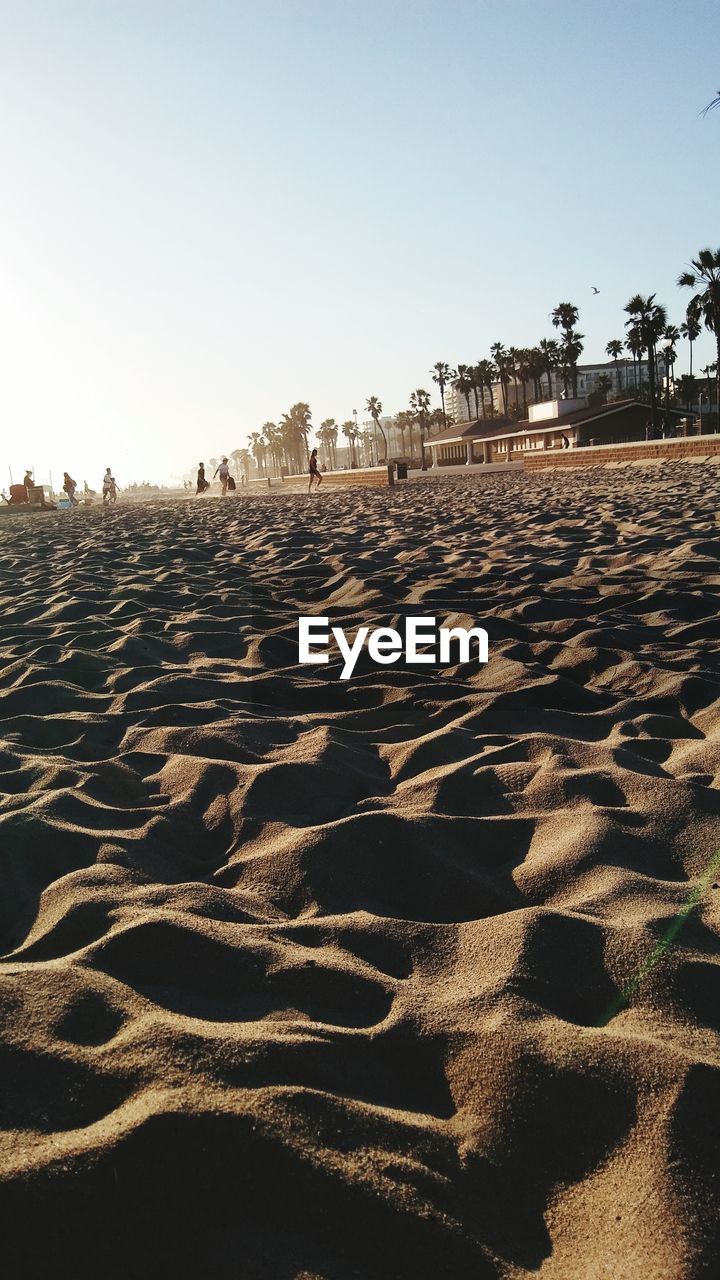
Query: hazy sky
x,y
211,210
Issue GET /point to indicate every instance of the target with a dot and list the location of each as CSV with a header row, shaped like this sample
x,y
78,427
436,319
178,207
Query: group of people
x,y
30,494
227,482
109,487
222,471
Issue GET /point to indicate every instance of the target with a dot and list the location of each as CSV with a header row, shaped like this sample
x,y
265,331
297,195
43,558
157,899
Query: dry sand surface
x,y
304,979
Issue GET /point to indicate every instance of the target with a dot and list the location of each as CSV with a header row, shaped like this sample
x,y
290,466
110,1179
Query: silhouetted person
x,y
314,471
565,441
69,487
109,487
202,483
223,471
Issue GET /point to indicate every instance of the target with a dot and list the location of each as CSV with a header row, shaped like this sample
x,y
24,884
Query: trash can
x,y
391,472
402,469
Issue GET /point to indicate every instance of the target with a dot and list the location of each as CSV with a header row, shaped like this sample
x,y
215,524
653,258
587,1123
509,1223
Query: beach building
x,y
548,426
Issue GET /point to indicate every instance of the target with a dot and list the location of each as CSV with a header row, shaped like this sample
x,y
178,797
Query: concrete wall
x,y
641,451
373,477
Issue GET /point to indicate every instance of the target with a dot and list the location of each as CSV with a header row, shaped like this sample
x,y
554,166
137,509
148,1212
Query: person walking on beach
x,y
314,471
202,483
223,471
109,487
69,487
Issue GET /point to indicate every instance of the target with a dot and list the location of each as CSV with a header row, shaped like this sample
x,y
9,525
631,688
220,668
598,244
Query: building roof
x,y
501,428
478,430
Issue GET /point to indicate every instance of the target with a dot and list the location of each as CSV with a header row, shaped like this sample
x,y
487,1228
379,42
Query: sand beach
x,y
413,975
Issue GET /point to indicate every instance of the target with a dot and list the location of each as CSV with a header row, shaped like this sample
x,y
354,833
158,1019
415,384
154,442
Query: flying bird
x,y
592,286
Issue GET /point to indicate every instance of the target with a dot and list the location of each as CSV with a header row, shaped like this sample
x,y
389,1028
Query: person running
x,y
223,471
69,487
315,473
109,487
202,483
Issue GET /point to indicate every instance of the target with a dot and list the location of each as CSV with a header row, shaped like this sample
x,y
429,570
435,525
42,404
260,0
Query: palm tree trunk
x,y
477,403
651,381
467,401
442,401
691,347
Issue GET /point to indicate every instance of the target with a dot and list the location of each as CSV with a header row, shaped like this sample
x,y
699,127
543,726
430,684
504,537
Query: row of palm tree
x,y
523,366
646,328
285,445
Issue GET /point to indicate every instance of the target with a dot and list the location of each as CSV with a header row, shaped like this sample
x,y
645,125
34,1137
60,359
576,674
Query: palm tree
x,y
349,430
705,278
549,350
236,456
462,382
333,432
473,378
485,374
523,369
404,421
420,407
647,321
441,374
536,370
671,337
374,408
565,317
503,366
325,433
274,440
691,329
614,349
366,437
295,427
634,346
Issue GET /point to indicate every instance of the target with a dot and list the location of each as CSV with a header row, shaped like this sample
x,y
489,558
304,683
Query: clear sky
x,y
212,210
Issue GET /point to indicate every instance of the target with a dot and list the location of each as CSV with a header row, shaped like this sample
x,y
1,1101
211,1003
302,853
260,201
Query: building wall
x,y
641,452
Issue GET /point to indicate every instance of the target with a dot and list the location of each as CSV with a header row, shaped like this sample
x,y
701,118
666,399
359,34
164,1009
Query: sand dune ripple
x,y
305,978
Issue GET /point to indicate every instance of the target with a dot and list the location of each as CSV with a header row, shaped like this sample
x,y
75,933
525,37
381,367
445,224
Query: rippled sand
x,y
303,978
